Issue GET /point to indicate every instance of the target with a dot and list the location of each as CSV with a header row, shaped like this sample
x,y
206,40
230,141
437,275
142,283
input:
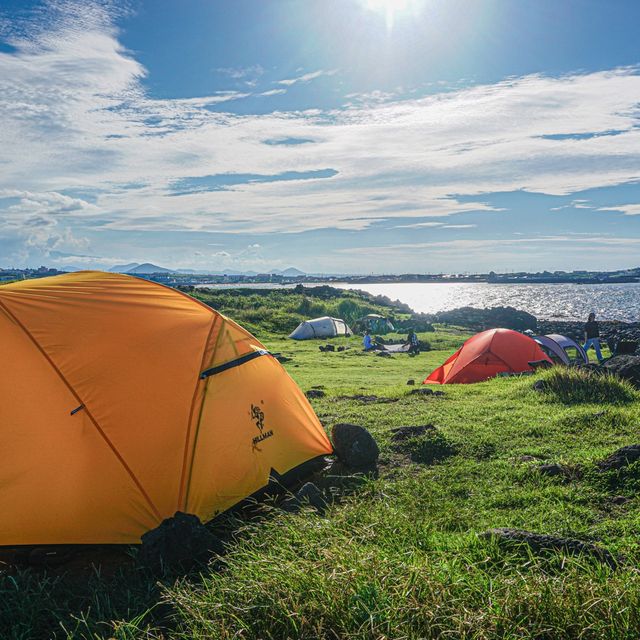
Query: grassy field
x,y
401,557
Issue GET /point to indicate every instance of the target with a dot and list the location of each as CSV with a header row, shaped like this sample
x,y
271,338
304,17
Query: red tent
x,y
486,355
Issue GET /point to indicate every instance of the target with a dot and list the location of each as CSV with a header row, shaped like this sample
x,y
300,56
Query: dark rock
x,y
552,470
527,458
341,348
383,354
369,399
315,393
626,347
539,543
626,367
613,333
177,543
307,495
354,446
540,386
402,433
411,382
329,347
620,499
425,391
280,358
620,458
496,317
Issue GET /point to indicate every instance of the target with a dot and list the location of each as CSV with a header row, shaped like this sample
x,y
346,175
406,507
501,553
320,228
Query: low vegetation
x,y
575,386
282,310
402,557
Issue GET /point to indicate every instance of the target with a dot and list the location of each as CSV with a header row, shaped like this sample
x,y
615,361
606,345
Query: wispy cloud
x,y
627,209
307,77
273,92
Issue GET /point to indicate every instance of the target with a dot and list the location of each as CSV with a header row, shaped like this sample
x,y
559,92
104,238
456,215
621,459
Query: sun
x,y
390,9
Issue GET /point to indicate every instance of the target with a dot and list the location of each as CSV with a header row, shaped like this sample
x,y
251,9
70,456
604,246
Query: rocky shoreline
x,y
611,332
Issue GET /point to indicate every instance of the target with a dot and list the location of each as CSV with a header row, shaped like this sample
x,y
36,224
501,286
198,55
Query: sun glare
x,y
390,9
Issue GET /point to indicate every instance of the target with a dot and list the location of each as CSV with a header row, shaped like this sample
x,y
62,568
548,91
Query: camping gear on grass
x,y
561,349
124,401
486,355
324,327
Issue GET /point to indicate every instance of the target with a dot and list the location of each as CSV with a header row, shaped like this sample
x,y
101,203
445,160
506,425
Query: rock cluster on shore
x,y
611,332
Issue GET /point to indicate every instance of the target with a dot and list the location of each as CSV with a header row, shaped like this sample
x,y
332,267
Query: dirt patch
x,y
623,457
400,434
425,391
368,399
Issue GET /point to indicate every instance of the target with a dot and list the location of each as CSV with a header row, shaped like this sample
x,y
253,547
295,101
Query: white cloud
x,y
418,225
627,209
307,77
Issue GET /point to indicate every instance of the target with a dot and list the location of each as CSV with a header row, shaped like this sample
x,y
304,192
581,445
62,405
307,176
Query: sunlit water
x,y
557,301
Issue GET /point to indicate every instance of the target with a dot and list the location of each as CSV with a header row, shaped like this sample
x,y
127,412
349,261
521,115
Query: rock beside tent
x,y
177,543
355,446
625,367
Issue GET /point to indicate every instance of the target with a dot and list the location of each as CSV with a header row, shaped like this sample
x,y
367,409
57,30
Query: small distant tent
x,y
125,401
324,327
561,349
486,355
376,323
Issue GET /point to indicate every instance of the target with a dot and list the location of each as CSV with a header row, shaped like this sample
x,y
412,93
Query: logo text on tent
x,y
257,415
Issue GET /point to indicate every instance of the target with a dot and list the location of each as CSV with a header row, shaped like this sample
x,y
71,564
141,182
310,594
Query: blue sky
x,y
351,136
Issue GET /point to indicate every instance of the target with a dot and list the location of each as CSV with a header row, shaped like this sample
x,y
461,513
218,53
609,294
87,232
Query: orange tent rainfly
x,y
487,354
123,401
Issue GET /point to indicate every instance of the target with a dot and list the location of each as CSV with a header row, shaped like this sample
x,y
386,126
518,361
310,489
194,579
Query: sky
x,y
335,136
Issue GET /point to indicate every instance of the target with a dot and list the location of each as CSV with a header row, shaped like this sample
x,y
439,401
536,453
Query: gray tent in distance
x,y
376,323
562,350
324,327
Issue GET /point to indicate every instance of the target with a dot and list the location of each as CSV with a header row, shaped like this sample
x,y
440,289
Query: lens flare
x,y
390,9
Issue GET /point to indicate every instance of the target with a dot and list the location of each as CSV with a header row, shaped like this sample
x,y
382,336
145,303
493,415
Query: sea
x,y
545,301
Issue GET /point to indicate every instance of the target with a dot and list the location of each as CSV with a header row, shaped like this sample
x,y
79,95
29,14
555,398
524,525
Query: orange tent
x,y
487,354
124,401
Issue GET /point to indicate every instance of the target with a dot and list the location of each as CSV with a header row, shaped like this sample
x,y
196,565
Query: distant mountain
x,y
291,272
124,268
147,267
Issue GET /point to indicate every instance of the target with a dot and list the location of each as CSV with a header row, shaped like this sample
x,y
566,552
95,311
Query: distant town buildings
x,y
171,278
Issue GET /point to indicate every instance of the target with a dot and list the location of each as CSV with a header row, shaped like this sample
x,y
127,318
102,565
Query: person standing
x,y
592,336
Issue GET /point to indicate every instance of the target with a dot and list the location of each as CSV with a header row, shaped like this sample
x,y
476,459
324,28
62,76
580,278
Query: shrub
x,y
573,386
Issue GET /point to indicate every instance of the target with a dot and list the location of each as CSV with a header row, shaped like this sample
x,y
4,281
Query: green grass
x,y
575,386
400,558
